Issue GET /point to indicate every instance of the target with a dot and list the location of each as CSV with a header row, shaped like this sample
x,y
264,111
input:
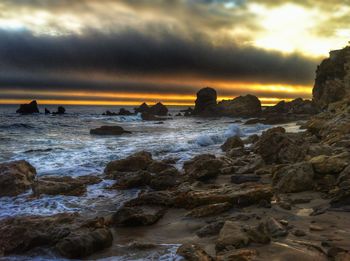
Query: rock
x,y
137,215
65,232
238,255
231,235
277,146
124,112
237,196
205,104
210,229
251,139
193,252
156,198
142,108
81,244
293,178
58,185
274,228
109,113
109,130
60,110
313,227
297,106
239,179
285,205
135,162
47,111
203,167
159,166
208,210
242,106
299,233
332,78
330,164
30,108
131,180
16,177
258,234
166,179
158,109
232,143
146,116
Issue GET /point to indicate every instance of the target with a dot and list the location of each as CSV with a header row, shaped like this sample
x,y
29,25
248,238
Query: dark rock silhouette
x,y
47,111
142,108
109,130
30,108
297,106
60,110
242,106
125,112
205,104
158,109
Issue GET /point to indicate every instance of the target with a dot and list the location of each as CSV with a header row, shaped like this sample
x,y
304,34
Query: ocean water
x,y
62,145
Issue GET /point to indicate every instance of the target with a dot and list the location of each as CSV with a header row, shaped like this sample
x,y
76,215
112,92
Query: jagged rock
x,y
72,236
193,252
231,235
137,215
158,109
16,177
232,143
133,180
142,108
294,178
332,78
297,106
29,108
109,113
47,111
58,185
146,116
205,104
330,164
203,167
135,162
157,198
60,110
277,146
109,130
166,179
242,106
208,210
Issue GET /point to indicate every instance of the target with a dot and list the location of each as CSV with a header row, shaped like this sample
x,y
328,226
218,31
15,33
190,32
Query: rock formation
x,y
332,78
205,104
109,130
158,109
242,106
60,110
29,108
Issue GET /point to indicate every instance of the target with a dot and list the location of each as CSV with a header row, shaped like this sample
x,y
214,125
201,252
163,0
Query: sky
x,y
125,52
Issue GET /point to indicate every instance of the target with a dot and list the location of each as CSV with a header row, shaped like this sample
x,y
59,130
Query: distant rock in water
x,y
332,78
205,104
124,112
146,116
242,106
47,111
109,130
30,108
142,108
60,110
109,113
158,109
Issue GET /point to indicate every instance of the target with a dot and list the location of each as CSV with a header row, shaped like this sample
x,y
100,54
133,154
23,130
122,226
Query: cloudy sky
x,y
128,51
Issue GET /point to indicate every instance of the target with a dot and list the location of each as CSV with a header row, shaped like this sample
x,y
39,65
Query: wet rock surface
x,y
109,130
29,108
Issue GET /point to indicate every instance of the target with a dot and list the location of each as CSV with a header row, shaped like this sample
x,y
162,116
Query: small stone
x,y
299,233
316,228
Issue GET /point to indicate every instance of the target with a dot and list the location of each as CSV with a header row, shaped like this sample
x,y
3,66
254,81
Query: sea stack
x,y
29,108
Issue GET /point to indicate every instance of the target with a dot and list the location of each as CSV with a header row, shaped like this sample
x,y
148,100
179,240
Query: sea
x,y
62,145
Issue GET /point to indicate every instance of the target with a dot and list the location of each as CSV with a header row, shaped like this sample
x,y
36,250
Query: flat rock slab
x,y
109,130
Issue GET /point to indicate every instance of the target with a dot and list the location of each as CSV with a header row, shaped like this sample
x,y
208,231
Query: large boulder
x,y
277,146
332,78
135,162
294,178
60,110
242,106
69,234
203,167
16,177
29,108
323,164
109,130
232,143
205,104
142,108
296,106
231,236
158,109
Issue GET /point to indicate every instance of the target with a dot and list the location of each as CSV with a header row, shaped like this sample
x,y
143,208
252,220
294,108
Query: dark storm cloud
x,y
133,53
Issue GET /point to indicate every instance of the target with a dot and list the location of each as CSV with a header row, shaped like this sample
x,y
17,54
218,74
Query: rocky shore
x,y
277,196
